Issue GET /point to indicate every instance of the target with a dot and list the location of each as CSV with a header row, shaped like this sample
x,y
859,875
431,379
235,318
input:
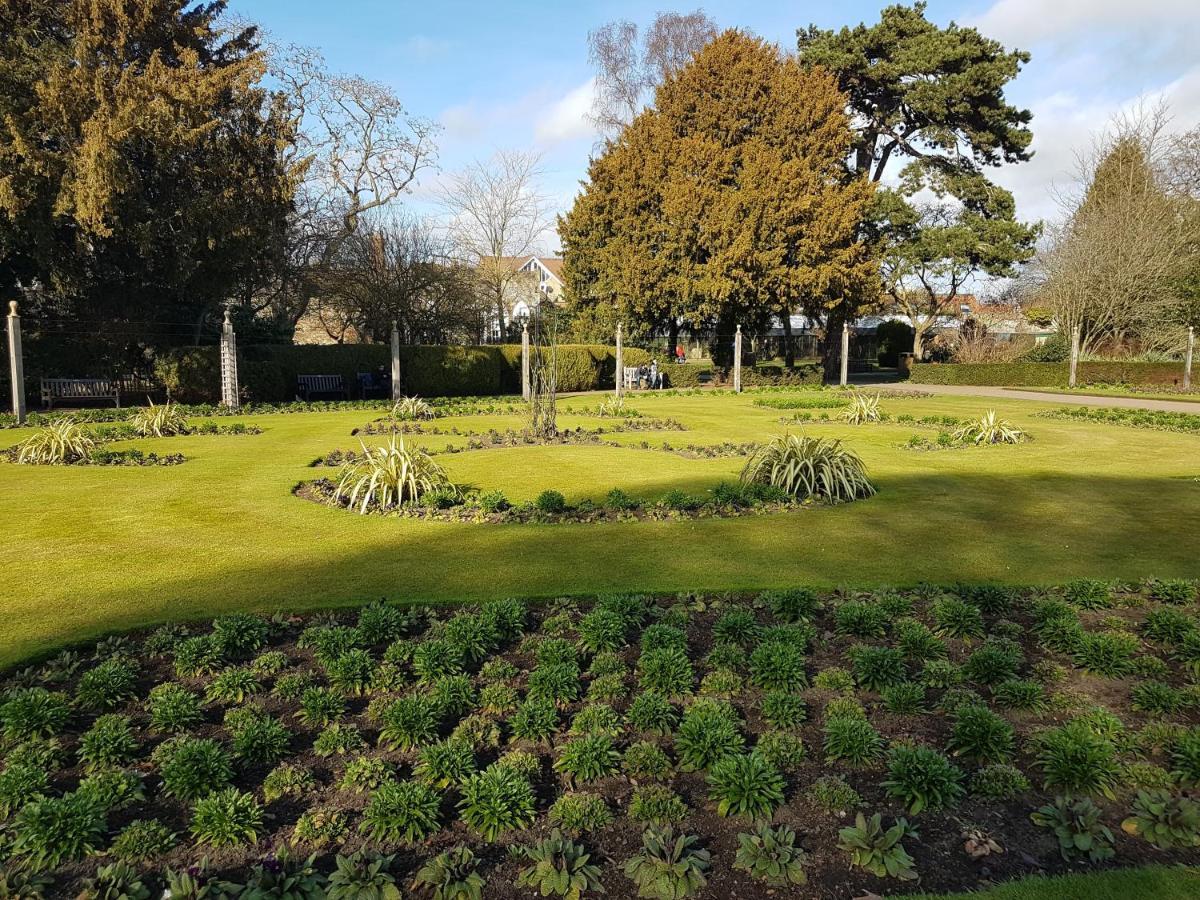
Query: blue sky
x,y
514,75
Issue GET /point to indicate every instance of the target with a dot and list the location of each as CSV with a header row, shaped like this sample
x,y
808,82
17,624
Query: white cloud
x,y
423,48
1024,22
566,119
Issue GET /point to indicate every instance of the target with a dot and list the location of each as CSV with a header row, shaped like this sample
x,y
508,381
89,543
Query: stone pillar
x,y
1075,338
229,373
620,365
737,360
845,374
525,386
16,365
1187,360
395,362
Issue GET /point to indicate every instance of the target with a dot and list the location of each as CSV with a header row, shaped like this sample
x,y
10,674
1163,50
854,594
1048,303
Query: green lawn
x,y
90,550
1157,882
1095,391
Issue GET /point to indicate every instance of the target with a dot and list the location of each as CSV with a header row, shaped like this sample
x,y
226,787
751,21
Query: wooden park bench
x,y
58,390
307,385
629,378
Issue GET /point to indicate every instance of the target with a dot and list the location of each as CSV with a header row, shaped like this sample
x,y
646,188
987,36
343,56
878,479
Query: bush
x,y
832,794
834,679
239,636
192,768
119,880
556,682
112,789
1075,759
852,740
1088,594
451,875
226,818
19,783
496,800
652,713
999,781
364,874
200,655
1078,828
320,706
596,718
1021,694
917,642
550,502
587,758
981,735
770,855
287,781
784,709
809,468
106,686
878,851
391,475
775,665
1185,757
56,444
709,731
667,671
260,740
405,811
407,723
863,408
579,813
745,785
877,667
560,868
670,867
1166,821
923,778
644,761
1045,374
49,831
142,839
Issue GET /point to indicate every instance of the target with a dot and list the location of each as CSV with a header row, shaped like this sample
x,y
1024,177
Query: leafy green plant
x,y
619,500
352,672
917,642
112,789
408,722
560,868
233,686
363,875
957,618
670,866
905,698
792,604
557,682
999,781
1078,828
981,735
775,665
1075,759
863,408
709,731
339,739
877,667
923,778
192,767
173,708
282,875
607,688
667,671
260,740
808,467
1165,820
238,636
989,429
405,811
116,881
1185,757
652,713
436,658
579,813
1087,594
445,763
852,740
860,619
142,839
597,718
834,679
737,626
288,780
412,409
997,660
1158,698
783,709
496,800
550,502
833,794
319,826
645,761
365,773
1169,626
49,831
226,818
587,758
535,720
20,783
58,443
770,855
109,742
451,875
879,850
107,685
391,475
1107,653
657,804
745,785
1017,693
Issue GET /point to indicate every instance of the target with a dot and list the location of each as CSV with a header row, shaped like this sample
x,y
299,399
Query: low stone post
x,y
395,362
845,374
1187,360
620,365
16,365
525,386
229,373
1075,339
737,360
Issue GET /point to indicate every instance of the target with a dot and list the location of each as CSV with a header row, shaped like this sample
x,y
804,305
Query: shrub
x,y
923,778
407,723
405,811
745,785
351,673
288,781
1166,821
667,671
561,868
726,658
445,763
587,758
981,735
451,875
142,839
390,476
338,740
109,742
708,732
535,720
999,781
957,618
226,818
619,500
784,709
858,619
381,623
1173,590
292,685
260,741
844,706
832,794
989,429
1169,626
877,667
496,800
852,740
776,665
1075,759
364,875
116,880
1078,828
58,443
863,408
269,664
904,698
809,468
319,826
1108,653
652,713
556,682
579,813
550,502
878,851
670,867
770,855
192,767
792,605
49,831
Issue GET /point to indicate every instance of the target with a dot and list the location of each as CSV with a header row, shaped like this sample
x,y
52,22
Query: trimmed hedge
x,y
1046,374
268,373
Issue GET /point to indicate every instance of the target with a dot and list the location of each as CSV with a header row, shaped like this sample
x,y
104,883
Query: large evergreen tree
x,y
142,179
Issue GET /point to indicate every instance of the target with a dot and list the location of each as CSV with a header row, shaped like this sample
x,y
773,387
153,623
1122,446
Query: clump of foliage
x,y
792,604
408,722
192,768
778,666
142,839
339,739
709,731
1075,759
981,735
1164,819
109,742
587,758
56,444
496,800
49,831
877,667
1077,825
957,618
1087,594
833,794
859,619
451,875
923,778
670,866
173,708
852,740
997,660
809,468
879,850
989,429
657,804
667,671
227,817
652,713
1108,653
905,698
287,780
770,855
645,761
405,811
863,408
560,868
391,475
999,781
745,785
578,813
784,709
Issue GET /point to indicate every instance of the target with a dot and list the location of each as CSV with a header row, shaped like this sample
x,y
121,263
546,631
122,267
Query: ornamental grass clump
x,y
390,476
989,429
159,421
863,408
411,409
59,443
809,468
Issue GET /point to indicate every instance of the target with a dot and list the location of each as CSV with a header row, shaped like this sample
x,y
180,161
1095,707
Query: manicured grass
x,y
1114,392
1157,882
90,550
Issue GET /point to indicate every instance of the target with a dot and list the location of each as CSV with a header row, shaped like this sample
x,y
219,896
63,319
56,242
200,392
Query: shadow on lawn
x,y
1017,530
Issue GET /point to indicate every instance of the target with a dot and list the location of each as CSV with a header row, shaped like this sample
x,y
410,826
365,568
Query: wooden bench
x,y
307,385
76,389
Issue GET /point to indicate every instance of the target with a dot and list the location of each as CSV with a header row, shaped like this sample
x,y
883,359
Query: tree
x,y
142,175
726,202
497,215
629,71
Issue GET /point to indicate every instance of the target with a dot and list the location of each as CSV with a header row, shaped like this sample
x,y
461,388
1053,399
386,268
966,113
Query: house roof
x,y
552,264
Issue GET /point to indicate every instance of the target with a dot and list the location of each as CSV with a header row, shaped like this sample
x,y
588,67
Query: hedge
x,y
268,373
690,376
1046,374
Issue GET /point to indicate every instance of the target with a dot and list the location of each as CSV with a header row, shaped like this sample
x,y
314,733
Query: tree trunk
x,y
672,337
918,343
831,350
789,351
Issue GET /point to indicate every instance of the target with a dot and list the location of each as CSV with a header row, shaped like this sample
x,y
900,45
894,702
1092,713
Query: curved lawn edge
x,y
1159,882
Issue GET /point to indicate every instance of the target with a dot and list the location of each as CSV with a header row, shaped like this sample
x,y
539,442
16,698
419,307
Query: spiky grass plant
x,y
412,409
392,475
990,429
57,444
807,467
863,408
159,421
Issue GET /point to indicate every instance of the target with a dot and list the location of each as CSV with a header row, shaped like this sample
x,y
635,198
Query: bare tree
x,y
497,215
628,69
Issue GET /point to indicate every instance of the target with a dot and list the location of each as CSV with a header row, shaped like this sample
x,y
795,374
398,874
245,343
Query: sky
x,y
515,75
